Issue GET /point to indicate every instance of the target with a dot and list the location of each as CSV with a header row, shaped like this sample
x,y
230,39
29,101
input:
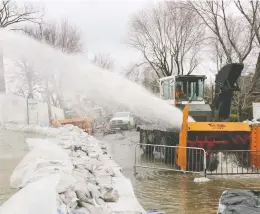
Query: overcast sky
x,y
104,24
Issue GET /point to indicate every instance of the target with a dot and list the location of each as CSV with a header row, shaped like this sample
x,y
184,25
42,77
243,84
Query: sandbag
x,y
110,195
34,198
92,209
44,159
66,181
239,202
81,210
82,192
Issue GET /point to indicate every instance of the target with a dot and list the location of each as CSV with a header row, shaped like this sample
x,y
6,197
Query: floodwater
x,y
172,193
12,150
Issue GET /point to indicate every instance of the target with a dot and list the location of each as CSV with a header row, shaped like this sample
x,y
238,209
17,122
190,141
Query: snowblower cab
x,y
183,89
188,90
219,135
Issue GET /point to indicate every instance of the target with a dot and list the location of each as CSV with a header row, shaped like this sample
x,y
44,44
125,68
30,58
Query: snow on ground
x,y
89,180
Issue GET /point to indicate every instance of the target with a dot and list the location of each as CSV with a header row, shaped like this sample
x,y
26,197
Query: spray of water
x,y
80,77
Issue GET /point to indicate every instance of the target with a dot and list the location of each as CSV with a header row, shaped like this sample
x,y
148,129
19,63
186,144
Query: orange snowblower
x,y
212,133
217,136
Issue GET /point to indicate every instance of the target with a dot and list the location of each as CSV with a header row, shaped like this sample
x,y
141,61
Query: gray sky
x,y
104,24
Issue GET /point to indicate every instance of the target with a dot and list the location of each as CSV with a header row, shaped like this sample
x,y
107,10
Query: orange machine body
x,y
217,136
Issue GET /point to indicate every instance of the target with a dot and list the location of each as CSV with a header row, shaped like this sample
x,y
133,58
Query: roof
x,y
183,76
191,76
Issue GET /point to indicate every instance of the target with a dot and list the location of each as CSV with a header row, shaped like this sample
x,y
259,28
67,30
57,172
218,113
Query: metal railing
x,y
162,157
232,162
222,162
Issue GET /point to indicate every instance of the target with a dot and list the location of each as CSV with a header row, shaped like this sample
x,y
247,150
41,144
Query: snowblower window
x,y
192,88
168,89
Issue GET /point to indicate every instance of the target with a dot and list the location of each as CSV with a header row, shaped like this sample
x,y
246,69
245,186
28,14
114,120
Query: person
x,y
179,92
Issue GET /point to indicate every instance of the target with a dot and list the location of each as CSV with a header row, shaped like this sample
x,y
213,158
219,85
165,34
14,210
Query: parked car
x,y
122,120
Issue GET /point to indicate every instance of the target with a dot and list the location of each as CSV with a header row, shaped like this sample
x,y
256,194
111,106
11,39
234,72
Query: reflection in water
x,y
175,193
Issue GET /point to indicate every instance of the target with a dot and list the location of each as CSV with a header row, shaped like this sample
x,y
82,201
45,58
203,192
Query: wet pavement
x,y
168,191
12,149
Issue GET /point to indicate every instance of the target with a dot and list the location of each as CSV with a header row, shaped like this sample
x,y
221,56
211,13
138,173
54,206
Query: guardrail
x,y
222,162
162,157
232,162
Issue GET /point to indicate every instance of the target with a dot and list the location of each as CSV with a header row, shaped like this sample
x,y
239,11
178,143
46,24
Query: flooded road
x,y
172,193
12,150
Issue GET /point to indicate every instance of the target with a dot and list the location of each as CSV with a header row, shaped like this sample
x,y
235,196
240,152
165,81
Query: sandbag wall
x,y
89,181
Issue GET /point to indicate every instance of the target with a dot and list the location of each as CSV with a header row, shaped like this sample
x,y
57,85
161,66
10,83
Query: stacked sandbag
x,y
88,175
37,197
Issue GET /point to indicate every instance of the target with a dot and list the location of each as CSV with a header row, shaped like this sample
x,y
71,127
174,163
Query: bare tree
x,y
252,16
242,99
169,38
103,61
235,37
134,70
11,13
63,36
149,80
27,81
142,74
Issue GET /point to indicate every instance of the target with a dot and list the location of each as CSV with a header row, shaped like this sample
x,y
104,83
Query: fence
x,y
222,162
231,162
162,157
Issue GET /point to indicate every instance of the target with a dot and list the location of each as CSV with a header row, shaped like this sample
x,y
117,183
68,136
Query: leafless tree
x,y
235,37
149,80
63,36
169,37
242,99
27,81
218,55
142,74
133,71
252,15
103,61
11,13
